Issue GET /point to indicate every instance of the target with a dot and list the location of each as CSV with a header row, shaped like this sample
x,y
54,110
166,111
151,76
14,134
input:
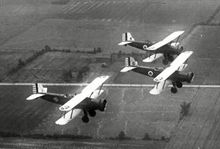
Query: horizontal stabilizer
x,y
152,58
67,117
126,69
34,96
123,43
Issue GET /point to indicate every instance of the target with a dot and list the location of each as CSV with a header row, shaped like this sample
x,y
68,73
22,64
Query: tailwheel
x,y
179,84
165,61
85,119
173,90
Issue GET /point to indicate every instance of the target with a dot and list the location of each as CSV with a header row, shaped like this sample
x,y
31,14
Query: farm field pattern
x,y
88,24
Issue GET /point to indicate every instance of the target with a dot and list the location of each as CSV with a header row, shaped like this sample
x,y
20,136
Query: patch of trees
x,y
23,62
185,109
121,136
44,136
149,138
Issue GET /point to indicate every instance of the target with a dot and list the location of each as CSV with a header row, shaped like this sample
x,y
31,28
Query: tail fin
x,y
38,91
130,64
126,39
38,88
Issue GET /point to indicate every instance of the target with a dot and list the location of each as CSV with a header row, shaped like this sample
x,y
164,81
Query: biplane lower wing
x,y
67,117
159,87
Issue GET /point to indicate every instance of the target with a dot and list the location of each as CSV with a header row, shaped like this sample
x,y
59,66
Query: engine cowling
x,y
102,105
190,77
175,45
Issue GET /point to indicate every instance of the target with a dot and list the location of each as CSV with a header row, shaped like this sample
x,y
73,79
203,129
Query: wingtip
x,y
147,60
154,92
60,122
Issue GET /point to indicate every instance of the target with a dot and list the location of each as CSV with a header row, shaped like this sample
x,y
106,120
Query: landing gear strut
x,y
85,118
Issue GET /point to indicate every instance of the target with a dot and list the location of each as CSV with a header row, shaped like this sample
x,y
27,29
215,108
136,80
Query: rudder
x,y
127,37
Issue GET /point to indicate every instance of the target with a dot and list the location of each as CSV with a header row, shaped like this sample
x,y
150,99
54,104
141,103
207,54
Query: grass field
x,y
127,110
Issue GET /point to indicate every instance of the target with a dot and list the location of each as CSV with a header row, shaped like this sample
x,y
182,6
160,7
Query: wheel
x,y
165,61
92,113
85,119
179,84
173,90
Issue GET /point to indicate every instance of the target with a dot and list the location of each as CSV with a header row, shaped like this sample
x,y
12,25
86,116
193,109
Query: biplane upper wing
x,y
174,66
166,40
86,92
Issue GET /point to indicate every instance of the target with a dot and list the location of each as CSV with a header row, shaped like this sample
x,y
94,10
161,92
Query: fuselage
x,y
95,102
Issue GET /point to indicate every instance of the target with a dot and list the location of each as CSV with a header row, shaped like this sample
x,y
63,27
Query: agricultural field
x,y
127,110
58,67
89,24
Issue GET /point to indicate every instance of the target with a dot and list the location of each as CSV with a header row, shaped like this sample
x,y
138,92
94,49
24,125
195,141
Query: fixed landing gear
x,y
173,90
179,84
175,85
85,118
92,113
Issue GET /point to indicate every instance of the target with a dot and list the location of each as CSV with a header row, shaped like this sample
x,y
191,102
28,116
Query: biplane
x,y
91,98
169,47
163,77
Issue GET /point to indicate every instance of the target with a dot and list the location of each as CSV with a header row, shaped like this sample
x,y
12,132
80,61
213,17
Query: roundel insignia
x,y
150,73
55,99
145,47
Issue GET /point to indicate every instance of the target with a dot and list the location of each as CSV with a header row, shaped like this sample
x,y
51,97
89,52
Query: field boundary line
x,y
108,85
